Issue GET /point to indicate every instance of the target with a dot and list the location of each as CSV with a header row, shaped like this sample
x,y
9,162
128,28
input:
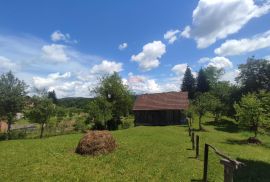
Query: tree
x,y
188,84
117,94
251,112
41,112
254,75
12,97
213,74
100,112
202,82
202,104
52,96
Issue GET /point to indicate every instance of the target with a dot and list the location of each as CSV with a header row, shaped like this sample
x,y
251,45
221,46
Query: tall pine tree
x,y
188,84
202,82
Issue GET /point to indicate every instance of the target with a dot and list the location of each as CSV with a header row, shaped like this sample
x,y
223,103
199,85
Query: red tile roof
x,y
162,101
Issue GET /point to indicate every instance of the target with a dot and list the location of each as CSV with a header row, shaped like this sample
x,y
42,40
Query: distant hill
x,y
77,102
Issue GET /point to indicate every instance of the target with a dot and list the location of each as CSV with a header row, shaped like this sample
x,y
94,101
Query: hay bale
x,y
95,143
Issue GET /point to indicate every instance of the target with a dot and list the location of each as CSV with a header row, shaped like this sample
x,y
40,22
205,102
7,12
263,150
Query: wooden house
x,y
161,108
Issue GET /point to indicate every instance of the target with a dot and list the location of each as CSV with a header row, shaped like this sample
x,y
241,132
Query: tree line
x,y
247,101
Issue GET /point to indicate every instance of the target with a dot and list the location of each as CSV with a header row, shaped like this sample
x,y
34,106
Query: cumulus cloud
x,y
214,20
242,46
218,62
230,75
122,46
171,36
179,69
106,67
186,32
148,59
57,36
50,80
7,65
55,53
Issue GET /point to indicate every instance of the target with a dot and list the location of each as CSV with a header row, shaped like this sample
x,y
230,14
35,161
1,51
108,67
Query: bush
x,y
127,122
96,143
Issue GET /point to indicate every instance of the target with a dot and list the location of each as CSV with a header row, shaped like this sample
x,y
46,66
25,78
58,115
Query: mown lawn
x,y
143,154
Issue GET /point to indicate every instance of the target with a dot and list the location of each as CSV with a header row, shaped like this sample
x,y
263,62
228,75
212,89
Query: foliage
x,y
188,84
202,82
12,97
52,96
41,111
74,102
254,75
112,89
127,122
213,74
202,104
251,112
100,112
60,113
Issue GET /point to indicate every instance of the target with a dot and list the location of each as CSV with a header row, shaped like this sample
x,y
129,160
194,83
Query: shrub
x,y
127,122
96,143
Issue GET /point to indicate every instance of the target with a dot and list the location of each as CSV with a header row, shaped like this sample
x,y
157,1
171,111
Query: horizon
x,y
67,46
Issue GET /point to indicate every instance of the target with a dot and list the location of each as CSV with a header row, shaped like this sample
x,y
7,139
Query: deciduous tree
x,y
12,97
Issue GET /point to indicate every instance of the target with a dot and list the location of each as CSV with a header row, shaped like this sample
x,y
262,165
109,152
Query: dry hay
x,y
95,143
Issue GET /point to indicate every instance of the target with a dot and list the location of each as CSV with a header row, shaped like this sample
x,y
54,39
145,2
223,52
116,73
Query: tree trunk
x,y
200,122
42,130
8,136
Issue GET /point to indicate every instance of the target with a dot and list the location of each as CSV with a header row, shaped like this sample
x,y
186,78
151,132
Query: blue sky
x,y
66,45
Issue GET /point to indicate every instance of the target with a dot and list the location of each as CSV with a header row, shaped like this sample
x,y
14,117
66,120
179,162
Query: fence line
x,y
230,165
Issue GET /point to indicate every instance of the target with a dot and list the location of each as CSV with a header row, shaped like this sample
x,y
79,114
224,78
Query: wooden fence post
x,y
205,162
228,170
197,146
192,140
189,130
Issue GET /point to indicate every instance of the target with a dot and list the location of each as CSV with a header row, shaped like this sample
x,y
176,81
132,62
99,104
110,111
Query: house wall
x,y
159,117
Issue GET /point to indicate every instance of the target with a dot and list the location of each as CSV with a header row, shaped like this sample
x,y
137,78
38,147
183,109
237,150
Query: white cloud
x,y
7,65
186,32
107,67
267,57
57,36
204,60
242,46
216,19
230,75
148,59
123,46
218,62
171,36
55,52
179,69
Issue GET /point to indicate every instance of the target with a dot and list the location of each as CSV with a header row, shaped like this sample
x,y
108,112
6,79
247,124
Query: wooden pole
x,y
189,130
228,170
205,162
197,146
192,140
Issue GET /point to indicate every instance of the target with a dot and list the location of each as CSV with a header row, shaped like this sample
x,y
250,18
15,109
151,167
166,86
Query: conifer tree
x,y
202,82
188,84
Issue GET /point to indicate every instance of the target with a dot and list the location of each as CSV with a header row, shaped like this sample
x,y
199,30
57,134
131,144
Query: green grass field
x,y
143,154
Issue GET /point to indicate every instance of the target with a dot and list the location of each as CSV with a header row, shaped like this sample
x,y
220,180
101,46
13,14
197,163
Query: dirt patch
x,y
96,143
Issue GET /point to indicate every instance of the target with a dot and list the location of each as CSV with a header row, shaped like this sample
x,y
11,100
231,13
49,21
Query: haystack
x,y
95,143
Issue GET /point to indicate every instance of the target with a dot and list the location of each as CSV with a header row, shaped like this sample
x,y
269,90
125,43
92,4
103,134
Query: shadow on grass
x,y
245,142
196,180
224,125
254,171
